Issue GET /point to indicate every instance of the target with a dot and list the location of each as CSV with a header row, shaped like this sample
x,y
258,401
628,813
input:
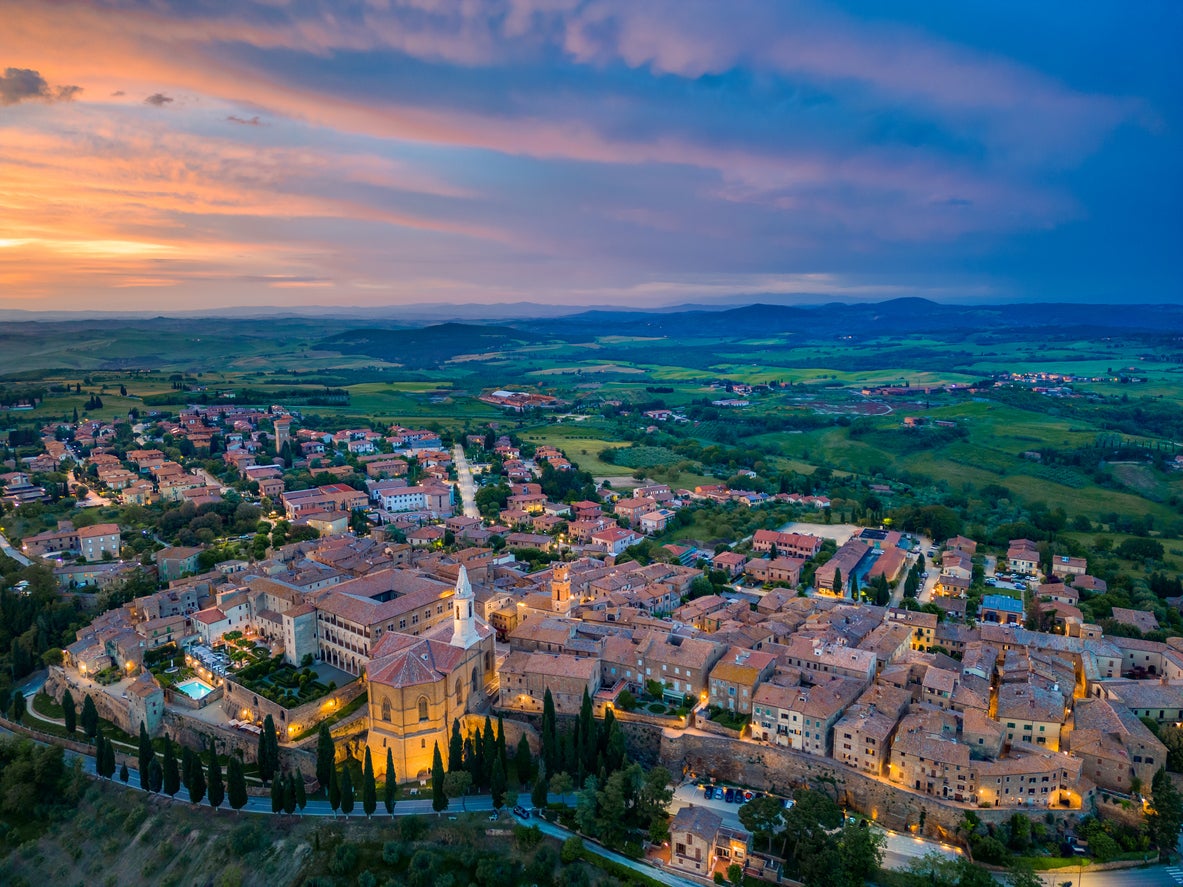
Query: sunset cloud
x,y
584,151
24,84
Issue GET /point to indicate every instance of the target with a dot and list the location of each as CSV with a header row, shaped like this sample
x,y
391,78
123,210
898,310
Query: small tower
x,y
464,633
560,588
283,431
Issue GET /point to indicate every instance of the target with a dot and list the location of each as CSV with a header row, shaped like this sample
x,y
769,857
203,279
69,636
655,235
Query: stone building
x,y
418,685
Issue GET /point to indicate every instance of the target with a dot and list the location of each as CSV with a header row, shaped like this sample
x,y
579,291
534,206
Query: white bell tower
x,y
464,633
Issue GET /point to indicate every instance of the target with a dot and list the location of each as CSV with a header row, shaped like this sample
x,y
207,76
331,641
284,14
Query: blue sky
x,y
184,154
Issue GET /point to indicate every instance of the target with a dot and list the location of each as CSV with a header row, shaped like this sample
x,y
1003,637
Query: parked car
x,y
748,795
708,792
789,803
521,812
728,795
719,793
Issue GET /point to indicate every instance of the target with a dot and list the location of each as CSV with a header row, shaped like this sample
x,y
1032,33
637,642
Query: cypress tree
x,y
172,775
124,776
538,794
235,783
146,756
605,730
455,748
69,712
197,782
155,774
217,789
837,584
369,788
89,718
523,761
614,755
390,790
289,794
301,797
186,767
588,738
480,766
17,707
99,755
268,750
108,758
334,791
550,747
346,791
325,756
502,755
439,800
468,754
277,796
489,753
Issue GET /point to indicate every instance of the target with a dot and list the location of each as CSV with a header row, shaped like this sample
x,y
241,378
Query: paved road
x,y
465,482
901,849
1154,876
658,874
12,552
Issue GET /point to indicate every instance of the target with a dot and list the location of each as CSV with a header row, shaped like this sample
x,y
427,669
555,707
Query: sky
x,y
184,154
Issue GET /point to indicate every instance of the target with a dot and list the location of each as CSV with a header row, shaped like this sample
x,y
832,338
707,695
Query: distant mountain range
x,y
897,316
859,318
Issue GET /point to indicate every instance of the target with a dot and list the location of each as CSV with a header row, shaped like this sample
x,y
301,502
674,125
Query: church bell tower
x,y
464,633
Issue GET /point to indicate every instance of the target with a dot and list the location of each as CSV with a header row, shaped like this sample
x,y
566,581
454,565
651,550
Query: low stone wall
x,y
244,704
673,722
182,700
779,770
704,723
112,708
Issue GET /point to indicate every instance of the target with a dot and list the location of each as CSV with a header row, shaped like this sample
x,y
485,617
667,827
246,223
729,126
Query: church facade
x,y
418,685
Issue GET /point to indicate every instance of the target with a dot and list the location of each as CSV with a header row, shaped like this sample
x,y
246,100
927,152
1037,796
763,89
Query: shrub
x,y
572,850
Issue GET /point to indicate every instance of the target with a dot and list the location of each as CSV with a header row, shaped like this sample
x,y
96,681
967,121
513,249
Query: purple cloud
x,y
24,84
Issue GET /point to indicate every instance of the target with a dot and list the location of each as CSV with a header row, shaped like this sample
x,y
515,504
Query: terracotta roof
x,y
210,616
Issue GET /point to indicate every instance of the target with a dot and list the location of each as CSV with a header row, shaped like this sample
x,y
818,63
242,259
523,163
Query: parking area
x,y
689,794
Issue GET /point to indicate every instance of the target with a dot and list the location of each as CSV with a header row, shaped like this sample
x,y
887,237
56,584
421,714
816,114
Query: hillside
x,y
431,346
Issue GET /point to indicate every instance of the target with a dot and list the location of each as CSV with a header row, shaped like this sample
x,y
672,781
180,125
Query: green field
x,y
827,377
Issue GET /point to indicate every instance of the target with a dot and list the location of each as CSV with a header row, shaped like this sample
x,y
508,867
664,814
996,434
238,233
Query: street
x,y
7,549
465,482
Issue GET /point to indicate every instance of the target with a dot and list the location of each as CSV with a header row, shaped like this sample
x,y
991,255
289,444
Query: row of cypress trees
x,y
343,795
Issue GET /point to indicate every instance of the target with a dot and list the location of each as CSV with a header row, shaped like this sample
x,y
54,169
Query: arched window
x,y
488,660
475,685
422,708
456,689
386,709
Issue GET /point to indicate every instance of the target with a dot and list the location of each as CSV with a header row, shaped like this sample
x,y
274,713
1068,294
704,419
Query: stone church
x,y
418,685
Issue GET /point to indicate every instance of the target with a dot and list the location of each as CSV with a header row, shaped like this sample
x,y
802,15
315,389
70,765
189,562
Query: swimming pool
x,y
195,689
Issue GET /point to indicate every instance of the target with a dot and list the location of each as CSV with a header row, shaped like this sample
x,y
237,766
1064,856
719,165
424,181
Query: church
x,y
418,685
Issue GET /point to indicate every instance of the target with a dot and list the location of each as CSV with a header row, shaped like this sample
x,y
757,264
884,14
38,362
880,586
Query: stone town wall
x,y
780,770
195,734
239,702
